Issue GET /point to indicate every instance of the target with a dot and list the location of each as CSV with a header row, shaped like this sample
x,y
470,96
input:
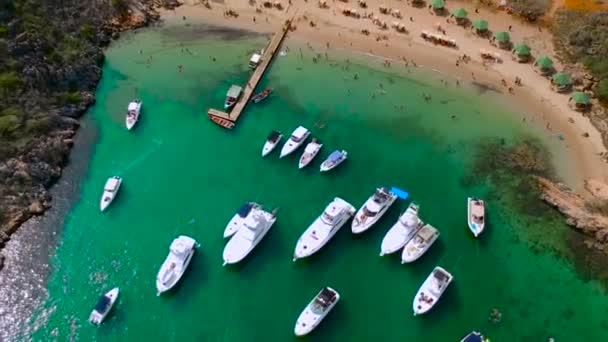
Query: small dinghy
x,y
133,114
109,192
372,210
476,215
296,140
253,229
103,306
261,96
238,218
431,290
418,245
175,265
475,337
271,142
335,158
402,231
310,152
316,310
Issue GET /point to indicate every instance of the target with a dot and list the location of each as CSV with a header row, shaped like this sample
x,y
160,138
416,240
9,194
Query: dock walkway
x,y
228,119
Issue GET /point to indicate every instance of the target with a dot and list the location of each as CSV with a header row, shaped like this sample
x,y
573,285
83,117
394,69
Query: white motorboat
x,y
271,142
335,158
402,231
475,336
296,140
103,306
180,253
254,228
133,111
372,210
310,152
316,310
237,220
419,244
323,228
110,190
431,290
232,96
476,209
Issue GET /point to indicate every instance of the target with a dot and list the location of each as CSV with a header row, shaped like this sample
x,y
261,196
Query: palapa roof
x,y
562,79
480,24
580,98
502,36
544,62
438,4
460,13
521,49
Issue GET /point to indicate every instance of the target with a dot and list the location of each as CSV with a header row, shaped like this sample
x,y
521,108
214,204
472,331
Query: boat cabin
x,y
325,299
331,214
103,305
441,278
245,209
233,94
299,134
426,233
112,184
255,60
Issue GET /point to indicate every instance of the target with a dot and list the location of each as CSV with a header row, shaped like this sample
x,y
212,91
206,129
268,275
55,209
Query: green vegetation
x,y
10,82
599,67
69,98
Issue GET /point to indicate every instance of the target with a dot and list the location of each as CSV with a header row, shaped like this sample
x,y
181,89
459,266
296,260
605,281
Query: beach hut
x,y
480,26
460,14
522,52
503,39
561,82
438,5
579,101
543,65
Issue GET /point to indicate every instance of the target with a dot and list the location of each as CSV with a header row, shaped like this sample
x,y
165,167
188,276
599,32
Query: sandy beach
x,y
329,28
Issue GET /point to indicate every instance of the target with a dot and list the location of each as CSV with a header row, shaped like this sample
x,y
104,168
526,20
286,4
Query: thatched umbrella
x,y
522,52
460,14
544,64
580,100
480,25
503,38
438,5
561,81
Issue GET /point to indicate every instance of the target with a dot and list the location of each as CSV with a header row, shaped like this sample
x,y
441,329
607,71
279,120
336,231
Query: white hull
x,y
313,314
175,265
269,146
431,290
419,244
133,112
327,165
110,190
321,231
237,220
402,231
310,152
245,239
476,226
291,145
98,316
363,222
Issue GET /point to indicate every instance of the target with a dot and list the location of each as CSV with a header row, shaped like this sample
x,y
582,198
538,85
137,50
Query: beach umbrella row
x,y
580,98
544,62
460,13
521,49
562,79
438,4
480,24
502,37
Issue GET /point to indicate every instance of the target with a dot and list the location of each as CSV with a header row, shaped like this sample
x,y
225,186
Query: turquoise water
x,y
185,175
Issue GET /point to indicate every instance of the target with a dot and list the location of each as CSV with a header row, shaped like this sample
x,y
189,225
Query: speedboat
x,y
419,244
237,220
335,158
253,228
476,215
372,210
310,152
474,337
402,231
109,191
271,142
133,111
431,290
323,228
261,96
232,96
297,138
180,253
316,310
103,306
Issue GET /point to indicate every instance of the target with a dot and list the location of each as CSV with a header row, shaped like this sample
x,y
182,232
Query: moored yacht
x,y
237,220
431,290
271,142
316,310
402,231
110,189
132,116
372,210
103,306
335,158
254,228
474,337
310,152
323,228
476,215
419,244
232,96
296,140
175,265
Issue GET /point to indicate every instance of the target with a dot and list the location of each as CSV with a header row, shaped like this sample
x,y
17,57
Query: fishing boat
x,y
271,142
402,231
316,310
419,244
133,111
253,228
297,138
232,96
323,228
110,190
474,337
261,96
237,220
372,210
310,152
476,215
180,253
431,290
103,306
335,158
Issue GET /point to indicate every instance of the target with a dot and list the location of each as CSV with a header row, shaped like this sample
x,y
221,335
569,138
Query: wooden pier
x,y
228,120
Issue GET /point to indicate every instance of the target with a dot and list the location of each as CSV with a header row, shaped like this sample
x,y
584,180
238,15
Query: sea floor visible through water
x,y
185,175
